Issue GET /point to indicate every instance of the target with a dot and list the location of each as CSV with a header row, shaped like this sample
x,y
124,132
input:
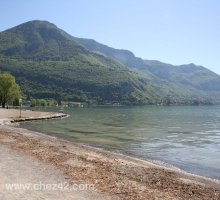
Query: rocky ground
x,y
114,176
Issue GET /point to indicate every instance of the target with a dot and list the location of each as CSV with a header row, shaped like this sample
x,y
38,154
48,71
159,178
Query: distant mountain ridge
x,y
50,63
157,68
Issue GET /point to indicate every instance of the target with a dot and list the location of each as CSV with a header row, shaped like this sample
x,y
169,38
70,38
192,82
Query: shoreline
x,y
11,116
113,173
157,162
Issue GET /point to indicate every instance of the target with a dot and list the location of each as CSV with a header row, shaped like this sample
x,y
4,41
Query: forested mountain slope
x,y
49,63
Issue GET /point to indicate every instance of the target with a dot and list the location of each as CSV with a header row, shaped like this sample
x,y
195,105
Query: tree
x,y
9,90
33,102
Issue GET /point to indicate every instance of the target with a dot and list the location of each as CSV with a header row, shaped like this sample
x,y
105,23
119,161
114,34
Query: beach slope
x,y
112,175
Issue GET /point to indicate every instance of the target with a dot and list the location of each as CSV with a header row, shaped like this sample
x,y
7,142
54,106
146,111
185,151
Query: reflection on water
x,y
185,136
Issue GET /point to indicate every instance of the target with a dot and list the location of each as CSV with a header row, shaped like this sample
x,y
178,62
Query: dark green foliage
x,y
16,102
185,84
42,102
38,40
50,64
64,80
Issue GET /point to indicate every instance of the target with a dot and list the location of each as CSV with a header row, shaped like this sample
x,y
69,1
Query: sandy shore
x,y
114,176
8,116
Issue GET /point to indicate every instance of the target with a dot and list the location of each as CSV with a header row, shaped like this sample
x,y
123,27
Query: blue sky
x,y
172,31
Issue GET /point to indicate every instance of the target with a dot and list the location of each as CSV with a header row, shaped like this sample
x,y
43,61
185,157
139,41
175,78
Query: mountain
x,y
49,63
187,80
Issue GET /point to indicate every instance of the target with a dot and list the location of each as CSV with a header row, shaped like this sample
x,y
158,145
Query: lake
x,y
187,137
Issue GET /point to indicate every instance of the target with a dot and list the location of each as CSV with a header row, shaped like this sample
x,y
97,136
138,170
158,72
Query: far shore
x,y
114,176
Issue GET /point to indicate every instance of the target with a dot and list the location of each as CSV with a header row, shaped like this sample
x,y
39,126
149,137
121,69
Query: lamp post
x,y
20,102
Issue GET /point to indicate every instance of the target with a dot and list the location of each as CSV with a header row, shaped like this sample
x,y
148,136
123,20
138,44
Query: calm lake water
x,y
184,136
